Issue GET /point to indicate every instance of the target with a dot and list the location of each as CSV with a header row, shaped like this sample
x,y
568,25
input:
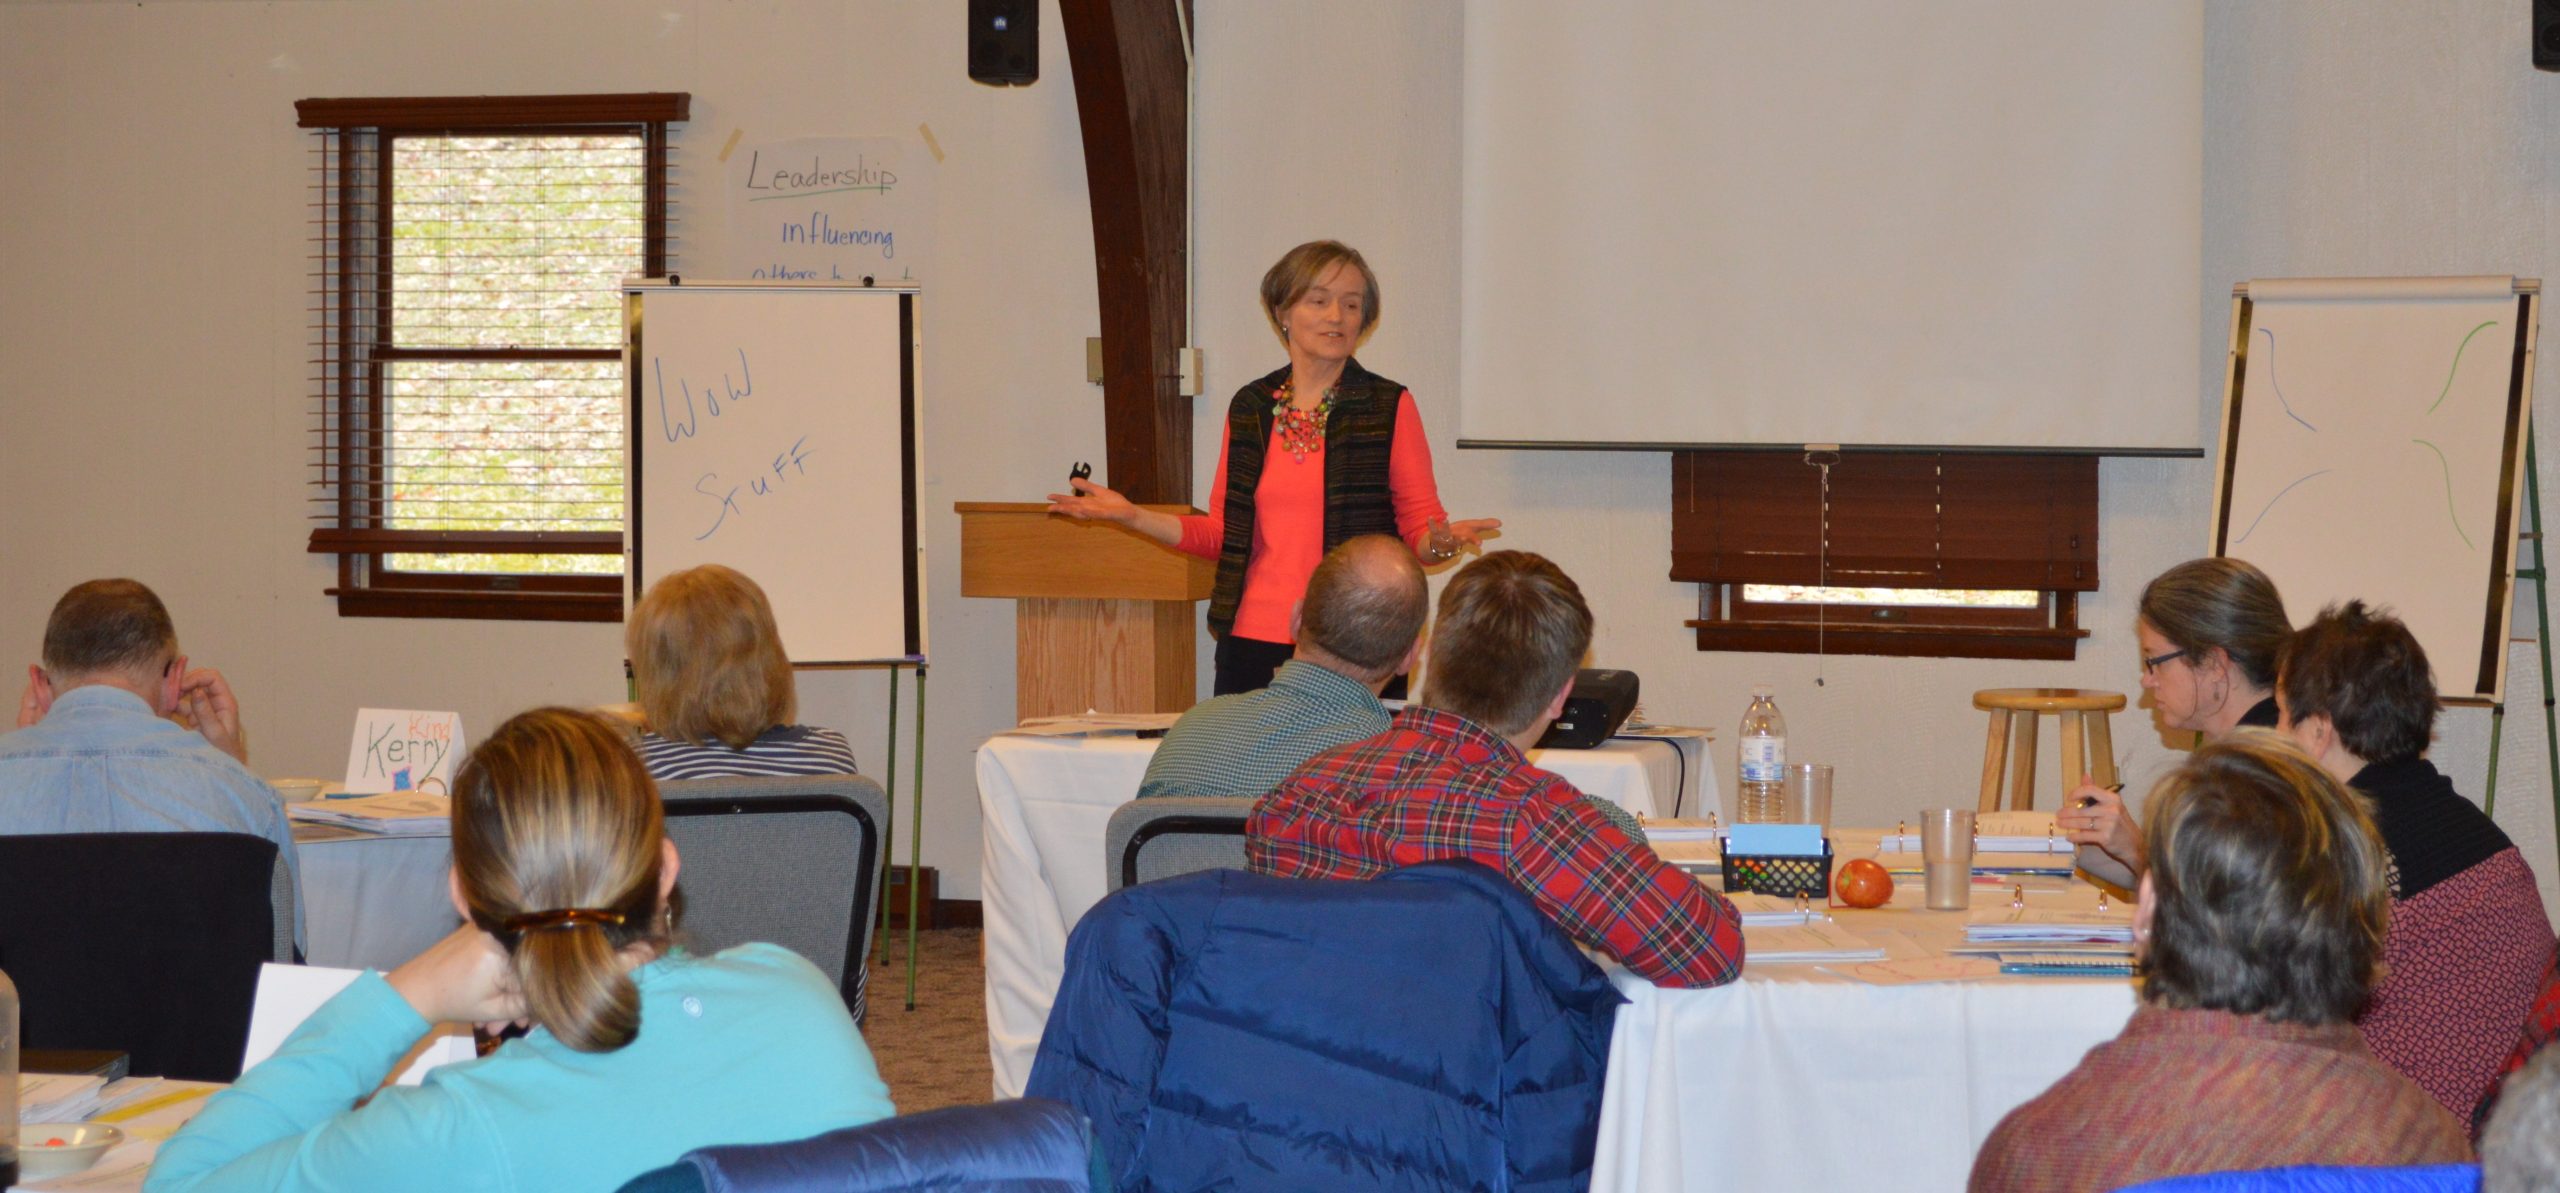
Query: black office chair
x,y
793,861
1160,837
143,943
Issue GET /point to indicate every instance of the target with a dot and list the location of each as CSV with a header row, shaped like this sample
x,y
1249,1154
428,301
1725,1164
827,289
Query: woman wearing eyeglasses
x,y
2210,632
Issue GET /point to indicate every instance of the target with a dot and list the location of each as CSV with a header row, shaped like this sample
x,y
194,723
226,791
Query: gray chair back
x,y
1160,837
281,894
791,861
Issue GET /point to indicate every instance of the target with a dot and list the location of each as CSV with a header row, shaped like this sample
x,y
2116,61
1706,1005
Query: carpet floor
x,y
935,1055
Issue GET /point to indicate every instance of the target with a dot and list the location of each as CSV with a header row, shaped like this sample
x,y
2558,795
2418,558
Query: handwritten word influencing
x,y
793,462
736,390
821,230
861,175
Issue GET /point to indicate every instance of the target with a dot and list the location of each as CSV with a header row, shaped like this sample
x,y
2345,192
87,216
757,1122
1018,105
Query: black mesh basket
x,y
1781,876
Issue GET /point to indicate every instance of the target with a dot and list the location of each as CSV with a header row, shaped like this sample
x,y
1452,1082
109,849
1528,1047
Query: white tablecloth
x,y
372,902
1046,802
1793,1078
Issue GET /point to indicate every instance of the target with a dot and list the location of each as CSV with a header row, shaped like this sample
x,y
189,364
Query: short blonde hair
x,y
1295,273
552,814
708,659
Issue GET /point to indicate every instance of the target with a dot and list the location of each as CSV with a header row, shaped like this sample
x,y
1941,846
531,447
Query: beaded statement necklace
x,y
1301,431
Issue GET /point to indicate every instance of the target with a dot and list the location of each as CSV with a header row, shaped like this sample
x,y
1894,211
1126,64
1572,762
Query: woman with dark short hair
x,y
2469,941
2259,928
1317,453
2209,631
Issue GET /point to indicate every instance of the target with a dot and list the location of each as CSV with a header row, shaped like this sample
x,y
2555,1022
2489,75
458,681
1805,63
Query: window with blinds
x,y
470,412
1942,554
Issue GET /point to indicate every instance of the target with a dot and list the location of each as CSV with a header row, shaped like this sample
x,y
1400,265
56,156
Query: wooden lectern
x,y
1102,617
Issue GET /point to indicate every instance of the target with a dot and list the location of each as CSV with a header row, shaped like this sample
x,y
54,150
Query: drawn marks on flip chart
x,y
2270,333
2444,467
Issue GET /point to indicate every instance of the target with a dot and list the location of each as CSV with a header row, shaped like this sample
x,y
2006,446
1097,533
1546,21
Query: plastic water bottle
x,y
1763,745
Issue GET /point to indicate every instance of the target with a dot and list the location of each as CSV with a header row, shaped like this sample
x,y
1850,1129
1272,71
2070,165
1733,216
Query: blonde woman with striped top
x,y
716,691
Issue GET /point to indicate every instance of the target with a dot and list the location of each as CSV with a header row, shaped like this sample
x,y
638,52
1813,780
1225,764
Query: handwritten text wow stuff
x,y
683,425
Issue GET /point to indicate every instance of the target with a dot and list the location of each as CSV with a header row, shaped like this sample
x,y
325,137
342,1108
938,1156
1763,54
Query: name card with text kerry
x,y
829,209
398,749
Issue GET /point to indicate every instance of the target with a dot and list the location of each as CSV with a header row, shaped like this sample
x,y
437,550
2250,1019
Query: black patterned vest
x,y
1358,436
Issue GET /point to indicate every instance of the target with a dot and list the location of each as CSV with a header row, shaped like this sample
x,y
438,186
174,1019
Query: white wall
x,y
152,331
2340,140
153,328
2407,138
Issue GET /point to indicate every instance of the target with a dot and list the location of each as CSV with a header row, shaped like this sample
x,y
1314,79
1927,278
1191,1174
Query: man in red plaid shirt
x,y
1448,780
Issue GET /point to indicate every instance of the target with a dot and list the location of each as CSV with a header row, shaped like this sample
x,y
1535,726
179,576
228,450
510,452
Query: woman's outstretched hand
x,y
1474,531
1093,503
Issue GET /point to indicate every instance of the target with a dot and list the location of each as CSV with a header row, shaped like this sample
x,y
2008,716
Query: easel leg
x,y
2497,729
889,834
915,839
2542,613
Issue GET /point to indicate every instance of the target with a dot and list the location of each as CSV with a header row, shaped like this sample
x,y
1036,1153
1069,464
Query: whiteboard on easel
x,y
2373,449
774,430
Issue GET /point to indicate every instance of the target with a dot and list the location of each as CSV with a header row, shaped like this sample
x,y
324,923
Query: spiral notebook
x,y
2068,965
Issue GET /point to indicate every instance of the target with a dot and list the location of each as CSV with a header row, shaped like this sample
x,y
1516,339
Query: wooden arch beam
x,y
1131,69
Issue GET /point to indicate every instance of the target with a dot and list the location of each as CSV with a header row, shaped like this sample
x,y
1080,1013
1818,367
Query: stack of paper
x,y
390,814
1998,832
1760,910
64,1098
1998,923
1683,829
57,1097
1098,724
1800,943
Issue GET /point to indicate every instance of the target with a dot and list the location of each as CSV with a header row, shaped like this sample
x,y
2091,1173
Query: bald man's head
x,y
1365,605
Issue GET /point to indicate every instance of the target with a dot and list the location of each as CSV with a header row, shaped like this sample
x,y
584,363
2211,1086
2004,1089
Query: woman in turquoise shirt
x,y
638,1051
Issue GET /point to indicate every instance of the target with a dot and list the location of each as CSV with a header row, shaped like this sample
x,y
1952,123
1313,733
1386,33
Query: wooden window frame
x,y
353,417
1728,621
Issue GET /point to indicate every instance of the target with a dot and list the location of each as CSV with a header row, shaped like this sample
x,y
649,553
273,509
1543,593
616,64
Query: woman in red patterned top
x,y
2259,927
1317,453
2469,942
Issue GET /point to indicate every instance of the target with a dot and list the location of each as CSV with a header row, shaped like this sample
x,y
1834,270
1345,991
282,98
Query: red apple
x,y
1862,883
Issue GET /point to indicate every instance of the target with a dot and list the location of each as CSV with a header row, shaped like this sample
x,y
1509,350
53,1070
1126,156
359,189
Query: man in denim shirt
x,y
116,735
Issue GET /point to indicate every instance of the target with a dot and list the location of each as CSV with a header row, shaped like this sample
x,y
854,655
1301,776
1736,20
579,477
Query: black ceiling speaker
x,y
2546,34
1004,42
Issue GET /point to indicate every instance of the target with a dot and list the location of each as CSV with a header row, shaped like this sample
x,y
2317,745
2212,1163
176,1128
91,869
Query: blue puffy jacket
x,y
2323,1178
1020,1146
1425,1030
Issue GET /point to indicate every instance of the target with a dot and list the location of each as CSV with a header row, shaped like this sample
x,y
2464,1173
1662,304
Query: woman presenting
x,y
1316,453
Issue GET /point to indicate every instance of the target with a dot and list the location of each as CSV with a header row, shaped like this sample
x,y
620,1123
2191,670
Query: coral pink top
x,y
1288,520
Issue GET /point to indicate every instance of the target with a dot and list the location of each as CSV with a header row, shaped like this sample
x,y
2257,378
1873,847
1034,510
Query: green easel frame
x,y
2540,574
915,830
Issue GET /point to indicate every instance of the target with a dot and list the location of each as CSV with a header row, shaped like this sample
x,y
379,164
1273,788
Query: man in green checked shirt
x,y
1359,626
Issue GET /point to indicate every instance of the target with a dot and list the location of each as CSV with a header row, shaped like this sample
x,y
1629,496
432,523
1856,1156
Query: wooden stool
x,y
2068,703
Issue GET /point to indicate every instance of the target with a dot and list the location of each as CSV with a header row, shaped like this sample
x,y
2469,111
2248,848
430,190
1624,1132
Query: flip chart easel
x,y
2377,443
760,411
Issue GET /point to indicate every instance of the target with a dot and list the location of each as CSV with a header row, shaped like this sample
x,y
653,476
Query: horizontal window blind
x,y
1918,520
469,413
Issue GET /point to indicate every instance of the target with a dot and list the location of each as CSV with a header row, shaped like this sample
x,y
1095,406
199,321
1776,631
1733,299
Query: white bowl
x,y
82,1144
295,791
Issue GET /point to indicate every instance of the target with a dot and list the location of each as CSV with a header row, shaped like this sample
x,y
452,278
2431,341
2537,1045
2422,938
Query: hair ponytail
x,y
558,838
574,983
